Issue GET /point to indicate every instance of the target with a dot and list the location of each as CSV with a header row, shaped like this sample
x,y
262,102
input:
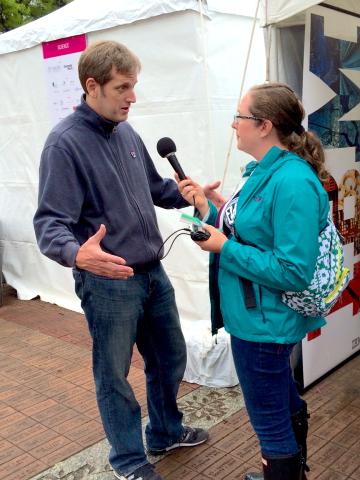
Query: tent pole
x,y
267,35
207,88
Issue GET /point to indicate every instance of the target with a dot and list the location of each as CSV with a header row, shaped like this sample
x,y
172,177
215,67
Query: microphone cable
x,y
183,230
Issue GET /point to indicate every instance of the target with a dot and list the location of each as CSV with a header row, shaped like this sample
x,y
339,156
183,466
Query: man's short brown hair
x,y
98,60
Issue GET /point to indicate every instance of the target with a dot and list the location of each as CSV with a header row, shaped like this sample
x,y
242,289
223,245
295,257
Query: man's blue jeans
x,y
270,393
139,310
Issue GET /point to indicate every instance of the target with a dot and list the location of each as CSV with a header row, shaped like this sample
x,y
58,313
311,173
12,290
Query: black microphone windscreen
x,y
165,146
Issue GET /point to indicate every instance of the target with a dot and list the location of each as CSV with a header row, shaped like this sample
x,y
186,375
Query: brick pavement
x,y
48,410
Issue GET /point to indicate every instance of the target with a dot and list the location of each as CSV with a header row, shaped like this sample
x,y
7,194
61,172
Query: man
x,y
98,186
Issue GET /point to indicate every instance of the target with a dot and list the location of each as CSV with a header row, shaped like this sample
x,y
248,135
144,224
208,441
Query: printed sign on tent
x,y
332,97
61,60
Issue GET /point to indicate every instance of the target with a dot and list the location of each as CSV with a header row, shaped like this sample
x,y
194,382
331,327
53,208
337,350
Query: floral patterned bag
x,y
330,277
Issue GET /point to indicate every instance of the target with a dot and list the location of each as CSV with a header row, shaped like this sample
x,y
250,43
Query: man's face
x,y
113,100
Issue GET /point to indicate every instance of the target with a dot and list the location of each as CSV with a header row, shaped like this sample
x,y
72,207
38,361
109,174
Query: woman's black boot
x,y
281,468
300,426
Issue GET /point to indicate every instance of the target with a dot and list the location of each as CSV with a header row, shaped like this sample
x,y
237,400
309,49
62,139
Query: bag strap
x,y
248,286
249,293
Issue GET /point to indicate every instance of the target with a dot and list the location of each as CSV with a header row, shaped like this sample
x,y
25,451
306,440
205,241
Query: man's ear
x,y
92,87
266,128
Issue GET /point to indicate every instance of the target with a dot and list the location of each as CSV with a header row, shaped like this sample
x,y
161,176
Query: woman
x,y
269,242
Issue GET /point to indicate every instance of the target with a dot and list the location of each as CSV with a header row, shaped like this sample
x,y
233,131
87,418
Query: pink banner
x,y
64,46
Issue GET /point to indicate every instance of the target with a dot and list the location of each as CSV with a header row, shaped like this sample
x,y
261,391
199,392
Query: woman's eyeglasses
x,y
237,117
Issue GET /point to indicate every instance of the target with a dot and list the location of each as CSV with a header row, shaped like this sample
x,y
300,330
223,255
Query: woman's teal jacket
x,y
281,210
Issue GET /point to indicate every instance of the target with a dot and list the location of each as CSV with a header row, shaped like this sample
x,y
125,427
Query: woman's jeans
x,y
270,393
139,310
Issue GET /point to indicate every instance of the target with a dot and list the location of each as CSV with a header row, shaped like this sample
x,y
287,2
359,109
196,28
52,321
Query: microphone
x,y
167,148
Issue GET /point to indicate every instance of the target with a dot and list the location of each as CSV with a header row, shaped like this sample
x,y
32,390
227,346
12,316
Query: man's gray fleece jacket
x,y
93,171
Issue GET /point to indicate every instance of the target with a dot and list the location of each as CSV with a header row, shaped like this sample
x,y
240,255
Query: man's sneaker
x,y
189,438
146,472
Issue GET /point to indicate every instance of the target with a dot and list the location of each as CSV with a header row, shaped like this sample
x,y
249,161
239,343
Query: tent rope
x,y
268,33
227,161
206,75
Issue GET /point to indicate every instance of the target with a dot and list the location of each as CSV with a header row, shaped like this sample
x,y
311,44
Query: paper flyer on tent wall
x,y
63,86
331,95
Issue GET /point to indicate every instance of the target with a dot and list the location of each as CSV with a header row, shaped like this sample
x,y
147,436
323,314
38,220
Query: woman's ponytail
x,y
278,103
308,146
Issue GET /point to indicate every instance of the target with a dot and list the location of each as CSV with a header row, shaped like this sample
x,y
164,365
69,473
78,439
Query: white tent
x,y
293,11
281,11
193,55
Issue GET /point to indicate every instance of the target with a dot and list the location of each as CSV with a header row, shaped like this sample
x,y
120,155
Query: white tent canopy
x,y
83,16
277,11
193,56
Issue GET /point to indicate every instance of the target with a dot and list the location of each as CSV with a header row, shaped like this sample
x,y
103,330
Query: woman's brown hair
x,y
278,103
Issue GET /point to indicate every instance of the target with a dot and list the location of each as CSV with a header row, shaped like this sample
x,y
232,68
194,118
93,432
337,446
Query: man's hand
x,y
91,257
215,197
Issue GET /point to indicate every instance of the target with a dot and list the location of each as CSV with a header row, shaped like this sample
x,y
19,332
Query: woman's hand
x,y
215,197
215,242
194,194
